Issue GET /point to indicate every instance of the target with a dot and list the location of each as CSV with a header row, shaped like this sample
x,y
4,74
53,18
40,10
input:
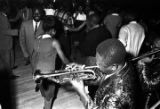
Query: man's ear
x,y
114,67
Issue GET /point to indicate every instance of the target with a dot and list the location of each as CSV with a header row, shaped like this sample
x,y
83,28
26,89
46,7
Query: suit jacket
x,y
27,37
6,32
93,38
112,23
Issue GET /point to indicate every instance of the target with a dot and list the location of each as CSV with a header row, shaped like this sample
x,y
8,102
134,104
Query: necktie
x,y
36,27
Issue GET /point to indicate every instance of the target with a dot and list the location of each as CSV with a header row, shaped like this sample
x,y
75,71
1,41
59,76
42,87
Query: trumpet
x,y
72,71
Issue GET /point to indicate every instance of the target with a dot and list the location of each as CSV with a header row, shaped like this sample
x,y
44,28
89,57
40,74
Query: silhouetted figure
x,y
6,36
7,89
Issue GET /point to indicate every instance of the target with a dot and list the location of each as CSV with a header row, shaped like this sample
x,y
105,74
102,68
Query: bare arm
x,y
56,45
76,29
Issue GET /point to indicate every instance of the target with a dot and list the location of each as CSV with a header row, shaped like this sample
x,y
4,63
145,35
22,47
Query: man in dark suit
x,y
113,22
95,35
6,33
30,30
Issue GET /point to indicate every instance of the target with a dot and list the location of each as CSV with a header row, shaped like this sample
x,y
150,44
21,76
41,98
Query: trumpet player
x,y
118,87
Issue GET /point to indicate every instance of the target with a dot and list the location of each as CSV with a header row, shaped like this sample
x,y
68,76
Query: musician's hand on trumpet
x,y
78,85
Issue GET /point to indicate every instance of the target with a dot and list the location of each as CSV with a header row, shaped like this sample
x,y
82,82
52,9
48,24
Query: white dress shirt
x,y
34,24
132,37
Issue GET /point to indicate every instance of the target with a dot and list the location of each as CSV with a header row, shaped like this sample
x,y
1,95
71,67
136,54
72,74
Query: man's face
x,y
37,15
100,61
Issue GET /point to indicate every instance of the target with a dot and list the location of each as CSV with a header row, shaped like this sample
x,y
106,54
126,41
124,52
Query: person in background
x,y
94,36
132,35
7,90
6,36
148,67
46,48
113,22
24,13
29,31
118,84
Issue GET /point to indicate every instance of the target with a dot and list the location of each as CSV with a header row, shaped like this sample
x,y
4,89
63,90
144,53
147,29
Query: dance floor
x,y
24,94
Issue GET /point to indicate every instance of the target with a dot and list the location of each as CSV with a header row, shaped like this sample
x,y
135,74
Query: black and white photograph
x,y
79,54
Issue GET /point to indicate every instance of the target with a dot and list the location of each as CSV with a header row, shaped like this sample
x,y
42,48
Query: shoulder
x,y
125,27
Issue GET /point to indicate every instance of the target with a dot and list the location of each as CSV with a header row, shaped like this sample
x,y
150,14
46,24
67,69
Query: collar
x,y
45,36
133,22
115,14
34,22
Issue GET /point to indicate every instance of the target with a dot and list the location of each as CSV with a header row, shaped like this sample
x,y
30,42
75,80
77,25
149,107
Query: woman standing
x,y
46,48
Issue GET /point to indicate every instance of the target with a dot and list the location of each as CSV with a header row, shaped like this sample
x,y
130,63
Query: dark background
x,y
145,8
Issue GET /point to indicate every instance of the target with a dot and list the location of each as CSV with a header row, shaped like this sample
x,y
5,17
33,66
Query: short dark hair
x,y
130,16
112,51
94,19
49,22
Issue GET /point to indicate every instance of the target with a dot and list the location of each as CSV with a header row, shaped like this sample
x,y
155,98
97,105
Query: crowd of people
x,y
50,38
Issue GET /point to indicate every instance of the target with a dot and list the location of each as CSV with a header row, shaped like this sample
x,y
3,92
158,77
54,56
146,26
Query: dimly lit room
x,y
79,54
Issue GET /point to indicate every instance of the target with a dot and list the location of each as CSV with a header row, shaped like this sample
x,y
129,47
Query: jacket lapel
x,y
31,28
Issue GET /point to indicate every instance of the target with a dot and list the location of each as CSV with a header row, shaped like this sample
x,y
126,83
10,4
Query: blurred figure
x,y
46,48
24,13
118,84
65,5
148,68
7,90
113,22
6,34
87,48
95,35
29,31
